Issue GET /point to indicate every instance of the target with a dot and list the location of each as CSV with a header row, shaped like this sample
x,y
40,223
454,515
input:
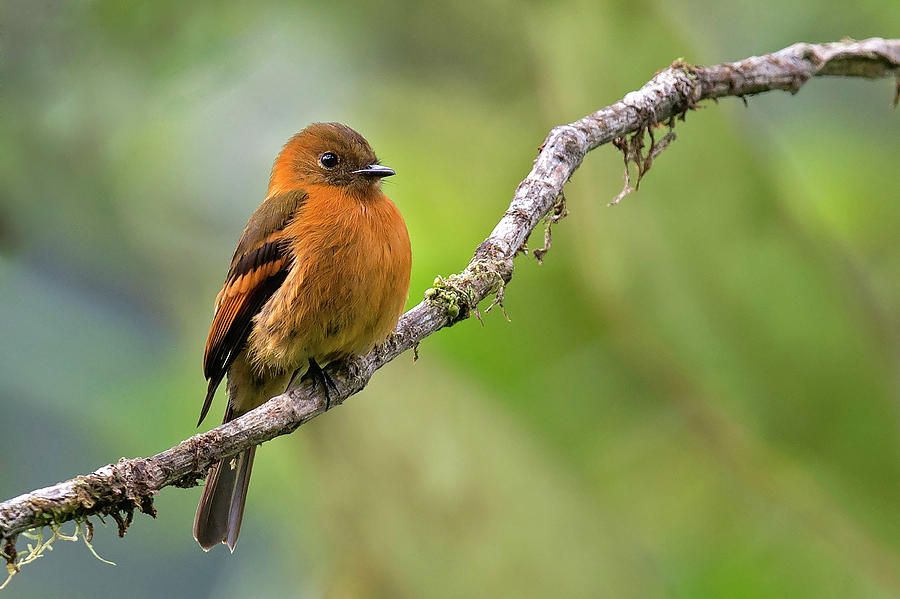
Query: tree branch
x,y
118,489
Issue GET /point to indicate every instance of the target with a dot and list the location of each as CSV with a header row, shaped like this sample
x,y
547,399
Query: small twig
x,y
633,152
559,212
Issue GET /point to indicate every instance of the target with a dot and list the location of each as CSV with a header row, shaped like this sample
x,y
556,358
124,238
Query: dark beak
x,y
375,170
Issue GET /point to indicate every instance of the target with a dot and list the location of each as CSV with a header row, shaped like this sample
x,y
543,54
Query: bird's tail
x,y
221,508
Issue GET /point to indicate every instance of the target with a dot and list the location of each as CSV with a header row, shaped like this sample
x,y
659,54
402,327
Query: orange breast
x,y
346,288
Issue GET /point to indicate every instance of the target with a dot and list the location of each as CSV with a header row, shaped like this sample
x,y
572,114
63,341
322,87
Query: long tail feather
x,y
221,508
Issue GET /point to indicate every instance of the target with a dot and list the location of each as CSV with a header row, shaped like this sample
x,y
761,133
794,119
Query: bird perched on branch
x,y
320,273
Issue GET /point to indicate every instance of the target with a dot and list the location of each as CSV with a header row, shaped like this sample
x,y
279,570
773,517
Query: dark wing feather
x,y
252,280
258,268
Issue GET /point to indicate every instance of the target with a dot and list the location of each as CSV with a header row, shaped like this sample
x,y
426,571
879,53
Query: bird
x,y
320,273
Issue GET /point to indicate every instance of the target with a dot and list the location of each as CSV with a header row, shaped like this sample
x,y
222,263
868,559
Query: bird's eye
x,y
328,160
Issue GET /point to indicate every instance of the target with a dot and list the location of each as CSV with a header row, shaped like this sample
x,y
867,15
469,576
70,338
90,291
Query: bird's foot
x,y
324,380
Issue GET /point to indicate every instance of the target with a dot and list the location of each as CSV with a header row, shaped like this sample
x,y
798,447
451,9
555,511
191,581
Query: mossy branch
x,y
118,489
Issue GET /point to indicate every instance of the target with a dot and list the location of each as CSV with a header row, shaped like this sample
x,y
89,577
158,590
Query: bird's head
x,y
327,154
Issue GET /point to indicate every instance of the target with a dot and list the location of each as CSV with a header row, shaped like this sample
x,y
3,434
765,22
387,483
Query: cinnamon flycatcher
x,y
320,273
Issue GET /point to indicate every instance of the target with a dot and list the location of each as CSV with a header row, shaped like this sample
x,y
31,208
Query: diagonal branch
x,y
118,489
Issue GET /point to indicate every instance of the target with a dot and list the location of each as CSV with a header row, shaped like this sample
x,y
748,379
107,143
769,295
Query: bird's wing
x,y
257,271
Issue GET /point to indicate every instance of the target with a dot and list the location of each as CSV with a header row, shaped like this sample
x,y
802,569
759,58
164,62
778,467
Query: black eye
x,y
328,160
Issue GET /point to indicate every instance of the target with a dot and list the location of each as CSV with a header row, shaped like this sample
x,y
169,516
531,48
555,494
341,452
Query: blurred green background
x,y
697,395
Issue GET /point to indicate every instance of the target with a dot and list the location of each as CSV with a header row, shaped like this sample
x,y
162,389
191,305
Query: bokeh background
x,y
696,396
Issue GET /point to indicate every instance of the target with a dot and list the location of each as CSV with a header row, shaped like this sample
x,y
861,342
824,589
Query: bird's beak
x,y
375,170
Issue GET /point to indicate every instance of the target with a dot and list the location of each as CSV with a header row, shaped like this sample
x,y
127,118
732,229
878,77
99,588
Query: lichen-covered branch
x,y
118,489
